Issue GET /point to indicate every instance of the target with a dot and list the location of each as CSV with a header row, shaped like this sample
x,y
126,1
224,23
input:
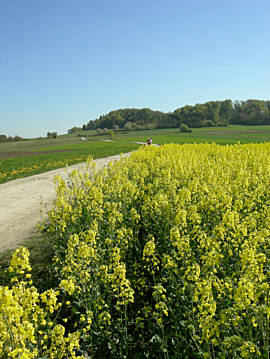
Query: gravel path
x,y
22,202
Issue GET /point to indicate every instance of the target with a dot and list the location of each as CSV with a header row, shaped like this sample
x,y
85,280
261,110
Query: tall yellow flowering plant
x,y
162,254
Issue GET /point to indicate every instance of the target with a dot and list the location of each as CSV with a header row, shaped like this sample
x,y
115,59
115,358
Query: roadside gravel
x,y
24,203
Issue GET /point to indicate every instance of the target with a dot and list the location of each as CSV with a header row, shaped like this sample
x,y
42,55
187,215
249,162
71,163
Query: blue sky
x,y
63,62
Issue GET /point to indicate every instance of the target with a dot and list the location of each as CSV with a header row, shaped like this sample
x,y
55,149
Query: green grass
x,y
17,167
78,150
221,135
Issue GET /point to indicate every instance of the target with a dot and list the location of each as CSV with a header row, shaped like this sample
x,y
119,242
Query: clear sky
x,y
65,62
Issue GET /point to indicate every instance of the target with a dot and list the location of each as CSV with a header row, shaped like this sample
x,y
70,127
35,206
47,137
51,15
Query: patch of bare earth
x,y
25,201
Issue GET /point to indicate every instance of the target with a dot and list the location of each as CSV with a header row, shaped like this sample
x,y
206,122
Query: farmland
x,y
29,159
163,255
21,159
221,135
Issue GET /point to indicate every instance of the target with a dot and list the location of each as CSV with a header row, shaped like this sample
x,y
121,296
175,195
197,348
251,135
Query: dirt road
x,y
22,202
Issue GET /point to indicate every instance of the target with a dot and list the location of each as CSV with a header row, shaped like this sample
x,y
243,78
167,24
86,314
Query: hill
x,y
213,113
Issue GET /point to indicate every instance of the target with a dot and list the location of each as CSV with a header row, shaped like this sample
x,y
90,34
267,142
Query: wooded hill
x,y
213,113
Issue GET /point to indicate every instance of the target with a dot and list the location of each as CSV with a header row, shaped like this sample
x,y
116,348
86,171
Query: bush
x,y
184,128
74,130
4,138
222,124
110,133
51,134
100,132
207,123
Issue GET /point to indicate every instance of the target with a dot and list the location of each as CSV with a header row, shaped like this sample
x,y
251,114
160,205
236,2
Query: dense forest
x,y
213,113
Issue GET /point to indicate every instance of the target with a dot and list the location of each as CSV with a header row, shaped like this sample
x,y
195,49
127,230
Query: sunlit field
x,y
221,135
55,156
21,159
164,254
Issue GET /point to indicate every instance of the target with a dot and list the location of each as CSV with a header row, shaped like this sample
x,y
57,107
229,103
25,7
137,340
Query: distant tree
x,y
110,134
51,134
74,130
100,131
207,123
184,128
3,138
226,109
128,126
222,124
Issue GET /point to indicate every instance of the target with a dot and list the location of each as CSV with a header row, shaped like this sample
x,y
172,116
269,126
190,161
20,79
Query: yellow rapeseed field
x,y
162,254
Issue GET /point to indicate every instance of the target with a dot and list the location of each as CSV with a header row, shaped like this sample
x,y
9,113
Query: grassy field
x,y
21,164
220,135
21,159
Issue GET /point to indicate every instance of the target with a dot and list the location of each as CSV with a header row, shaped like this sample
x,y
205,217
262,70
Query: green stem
x,y
213,351
59,310
126,335
9,329
166,355
267,327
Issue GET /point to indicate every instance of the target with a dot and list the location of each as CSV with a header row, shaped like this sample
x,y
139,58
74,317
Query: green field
x,y
220,135
26,165
21,159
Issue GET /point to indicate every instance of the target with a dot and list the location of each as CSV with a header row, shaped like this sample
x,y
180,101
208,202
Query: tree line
x,y
212,113
4,138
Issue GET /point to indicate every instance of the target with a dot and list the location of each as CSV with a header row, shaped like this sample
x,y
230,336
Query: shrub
x,y
51,134
184,128
110,134
207,123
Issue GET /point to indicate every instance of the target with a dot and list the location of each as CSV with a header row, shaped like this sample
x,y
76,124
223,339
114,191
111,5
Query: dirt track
x,y
23,200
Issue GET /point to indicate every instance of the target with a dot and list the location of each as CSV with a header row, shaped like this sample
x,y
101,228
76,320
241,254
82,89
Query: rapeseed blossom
x,y
162,254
